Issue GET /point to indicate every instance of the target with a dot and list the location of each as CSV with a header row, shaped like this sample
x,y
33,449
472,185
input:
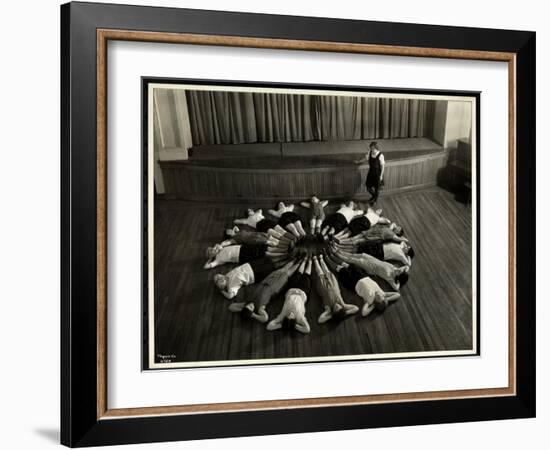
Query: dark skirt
x,y
300,281
251,252
373,178
265,224
287,218
262,268
375,249
349,276
359,225
336,221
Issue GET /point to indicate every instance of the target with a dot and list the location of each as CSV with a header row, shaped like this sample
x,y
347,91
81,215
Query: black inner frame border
x,y
80,424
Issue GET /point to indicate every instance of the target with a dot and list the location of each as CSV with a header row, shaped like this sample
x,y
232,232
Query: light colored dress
x,y
238,277
366,288
373,266
229,254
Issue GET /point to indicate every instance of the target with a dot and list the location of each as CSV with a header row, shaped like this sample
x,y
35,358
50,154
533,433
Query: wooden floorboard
x,y
434,313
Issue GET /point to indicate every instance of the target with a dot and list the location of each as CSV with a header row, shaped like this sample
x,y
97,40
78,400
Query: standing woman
x,y
375,176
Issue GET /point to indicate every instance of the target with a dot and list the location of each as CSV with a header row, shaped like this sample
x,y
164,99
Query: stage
x,y
295,171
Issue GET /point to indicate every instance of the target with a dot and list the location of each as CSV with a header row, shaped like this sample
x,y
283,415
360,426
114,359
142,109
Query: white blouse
x,y
238,277
366,288
229,254
349,213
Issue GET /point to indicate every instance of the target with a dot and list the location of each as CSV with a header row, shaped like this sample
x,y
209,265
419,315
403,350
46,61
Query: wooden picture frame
x,y
85,416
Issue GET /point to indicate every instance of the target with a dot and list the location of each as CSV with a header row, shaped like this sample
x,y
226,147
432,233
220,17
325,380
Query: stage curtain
x,y
237,117
284,118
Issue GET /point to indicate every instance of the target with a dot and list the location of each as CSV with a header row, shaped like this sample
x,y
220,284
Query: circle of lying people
x,y
347,247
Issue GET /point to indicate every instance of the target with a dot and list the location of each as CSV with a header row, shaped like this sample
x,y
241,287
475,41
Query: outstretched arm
x,y
305,204
240,222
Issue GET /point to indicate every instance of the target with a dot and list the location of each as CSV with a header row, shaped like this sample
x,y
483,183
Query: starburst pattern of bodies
x,y
350,249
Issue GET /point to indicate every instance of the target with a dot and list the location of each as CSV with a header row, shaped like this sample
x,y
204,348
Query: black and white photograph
x,y
290,224
273,225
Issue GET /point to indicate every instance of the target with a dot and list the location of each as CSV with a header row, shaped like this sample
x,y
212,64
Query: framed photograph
x,y
276,165
276,224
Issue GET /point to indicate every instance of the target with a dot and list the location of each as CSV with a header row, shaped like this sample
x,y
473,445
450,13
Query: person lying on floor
x,y
375,217
220,255
357,280
293,313
242,237
376,233
236,236
281,209
363,223
338,221
255,305
317,208
396,277
256,220
329,291
246,274
384,251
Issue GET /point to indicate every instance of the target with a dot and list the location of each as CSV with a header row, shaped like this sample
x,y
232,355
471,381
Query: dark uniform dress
x,y
358,225
350,276
264,225
335,220
288,218
373,177
300,281
375,249
251,252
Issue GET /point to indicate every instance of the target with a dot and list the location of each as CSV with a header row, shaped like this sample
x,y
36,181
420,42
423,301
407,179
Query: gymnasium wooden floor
x,y
433,314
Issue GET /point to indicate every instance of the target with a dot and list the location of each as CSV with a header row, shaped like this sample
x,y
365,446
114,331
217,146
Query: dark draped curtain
x,y
245,117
